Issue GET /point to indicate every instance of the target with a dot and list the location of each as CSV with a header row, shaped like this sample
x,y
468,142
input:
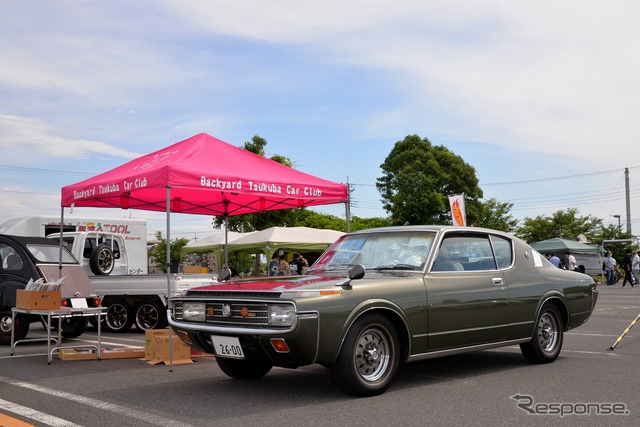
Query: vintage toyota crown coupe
x,y
381,297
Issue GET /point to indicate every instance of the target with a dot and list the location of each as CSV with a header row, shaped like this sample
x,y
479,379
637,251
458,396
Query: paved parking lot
x,y
494,387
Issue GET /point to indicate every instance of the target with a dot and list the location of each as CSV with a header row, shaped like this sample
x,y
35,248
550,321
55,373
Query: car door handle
x,y
497,281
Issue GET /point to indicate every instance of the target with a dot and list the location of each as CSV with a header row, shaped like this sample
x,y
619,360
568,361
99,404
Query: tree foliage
x,y
417,179
261,220
159,253
565,224
496,215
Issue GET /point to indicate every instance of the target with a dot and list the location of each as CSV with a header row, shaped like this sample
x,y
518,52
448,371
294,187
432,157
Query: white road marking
x,y
34,415
94,403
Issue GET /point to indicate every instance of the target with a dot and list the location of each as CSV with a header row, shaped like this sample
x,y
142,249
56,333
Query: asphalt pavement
x,y
589,384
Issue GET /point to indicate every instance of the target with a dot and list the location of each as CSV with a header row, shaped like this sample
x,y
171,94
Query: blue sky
x,y
541,98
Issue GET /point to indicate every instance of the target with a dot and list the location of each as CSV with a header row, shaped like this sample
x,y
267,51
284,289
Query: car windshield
x,y
381,251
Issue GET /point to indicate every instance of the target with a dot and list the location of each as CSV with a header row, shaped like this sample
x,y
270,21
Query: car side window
x,y
503,250
11,260
465,253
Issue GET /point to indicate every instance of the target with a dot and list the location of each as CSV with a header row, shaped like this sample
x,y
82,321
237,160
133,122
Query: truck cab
x,y
102,254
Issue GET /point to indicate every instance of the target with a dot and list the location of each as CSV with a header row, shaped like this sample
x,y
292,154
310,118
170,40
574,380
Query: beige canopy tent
x,y
212,242
299,239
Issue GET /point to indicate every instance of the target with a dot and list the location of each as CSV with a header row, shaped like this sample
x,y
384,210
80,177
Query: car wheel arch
x,y
391,312
559,302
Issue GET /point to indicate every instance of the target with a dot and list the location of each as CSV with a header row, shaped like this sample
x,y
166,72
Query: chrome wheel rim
x,y
548,332
372,354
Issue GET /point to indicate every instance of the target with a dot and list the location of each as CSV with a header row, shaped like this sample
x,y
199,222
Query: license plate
x,y
227,347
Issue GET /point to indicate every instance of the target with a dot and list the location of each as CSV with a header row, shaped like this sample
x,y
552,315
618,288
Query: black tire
x,y
150,315
102,261
369,358
73,327
546,342
21,326
119,316
243,369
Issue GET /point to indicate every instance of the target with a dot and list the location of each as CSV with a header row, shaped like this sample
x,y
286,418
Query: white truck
x,y
113,253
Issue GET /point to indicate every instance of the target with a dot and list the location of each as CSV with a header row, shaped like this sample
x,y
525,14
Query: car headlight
x,y
193,311
282,315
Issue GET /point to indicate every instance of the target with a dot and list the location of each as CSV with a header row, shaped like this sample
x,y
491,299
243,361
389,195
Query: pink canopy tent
x,y
202,175
205,176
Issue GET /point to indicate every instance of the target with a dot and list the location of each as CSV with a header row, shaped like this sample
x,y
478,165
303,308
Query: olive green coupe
x,y
385,296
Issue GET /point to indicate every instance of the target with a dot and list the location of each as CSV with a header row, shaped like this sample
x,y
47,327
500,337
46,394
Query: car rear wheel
x,y
119,317
150,315
368,360
21,326
243,369
546,343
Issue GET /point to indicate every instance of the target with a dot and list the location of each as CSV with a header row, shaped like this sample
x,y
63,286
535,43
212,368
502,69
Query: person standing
x,y
635,267
555,260
300,263
626,265
283,268
610,268
273,265
570,261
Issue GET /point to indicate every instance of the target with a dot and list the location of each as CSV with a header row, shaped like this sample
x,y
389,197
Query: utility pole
x,y
628,196
348,207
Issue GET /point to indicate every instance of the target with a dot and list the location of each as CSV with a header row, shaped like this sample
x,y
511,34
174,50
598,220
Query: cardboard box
x,y
181,351
150,336
105,353
122,353
38,300
192,269
73,354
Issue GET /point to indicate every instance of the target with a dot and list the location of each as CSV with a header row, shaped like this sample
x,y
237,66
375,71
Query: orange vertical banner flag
x,y
458,213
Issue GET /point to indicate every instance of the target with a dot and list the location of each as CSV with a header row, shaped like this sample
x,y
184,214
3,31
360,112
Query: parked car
x,y
34,258
385,296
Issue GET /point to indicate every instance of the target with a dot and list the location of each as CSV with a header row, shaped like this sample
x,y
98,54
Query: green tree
x,y
417,179
496,215
159,253
260,220
565,224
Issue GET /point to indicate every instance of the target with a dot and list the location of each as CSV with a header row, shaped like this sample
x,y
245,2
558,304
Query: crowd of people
x,y
630,266
280,267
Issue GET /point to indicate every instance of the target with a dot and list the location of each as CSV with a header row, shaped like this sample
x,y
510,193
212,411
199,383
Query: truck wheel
x,y
101,261
73,327
243,369
21,327
119,317
369,358
150,315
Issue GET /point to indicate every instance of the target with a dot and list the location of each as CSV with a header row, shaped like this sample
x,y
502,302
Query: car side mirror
x,y
356,272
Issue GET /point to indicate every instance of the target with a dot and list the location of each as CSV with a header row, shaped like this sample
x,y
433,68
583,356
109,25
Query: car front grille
x,y
249,314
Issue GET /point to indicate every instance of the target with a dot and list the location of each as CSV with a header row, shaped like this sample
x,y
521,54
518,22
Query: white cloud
x,y
25,141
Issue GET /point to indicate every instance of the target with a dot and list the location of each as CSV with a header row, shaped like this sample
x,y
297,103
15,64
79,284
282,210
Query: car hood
x,y
272,284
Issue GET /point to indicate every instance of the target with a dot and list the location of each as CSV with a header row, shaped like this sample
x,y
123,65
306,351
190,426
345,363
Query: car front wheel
x,y
369,358
548,335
